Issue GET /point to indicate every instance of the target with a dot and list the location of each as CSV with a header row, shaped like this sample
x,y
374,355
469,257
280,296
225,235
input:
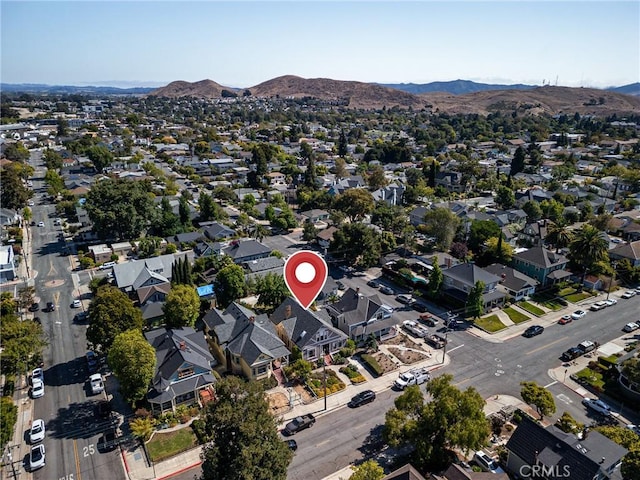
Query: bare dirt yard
x,y
408,356
278,402
404,341
385,361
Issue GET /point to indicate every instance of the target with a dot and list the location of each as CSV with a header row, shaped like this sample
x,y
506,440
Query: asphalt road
x,y
67,406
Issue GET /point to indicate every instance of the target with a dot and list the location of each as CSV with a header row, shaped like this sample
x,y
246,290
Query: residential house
x,y
559,454
309,331
8,270
276,178
416,216
452,181
131,276
458,281
534,233
353,181
406,472
217,231
122,248
325,237
456,472
9,217
245,343
242,251
627,251
186,238
100,253
262,266
515,284
360,317
546,266
151,299
207,249
183,368
316,215
391,194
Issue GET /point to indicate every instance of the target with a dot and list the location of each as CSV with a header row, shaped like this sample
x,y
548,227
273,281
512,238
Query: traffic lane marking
x,y
545,346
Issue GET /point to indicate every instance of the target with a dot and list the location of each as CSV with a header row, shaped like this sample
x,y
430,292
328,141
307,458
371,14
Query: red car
x,y
565,319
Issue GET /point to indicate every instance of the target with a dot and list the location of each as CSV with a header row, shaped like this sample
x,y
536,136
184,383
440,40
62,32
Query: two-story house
x,y
245,343
546,266
533,233
360,317
242,251
310,331
183,368
324,237
629,251
515,284
459,280
556,454
131,276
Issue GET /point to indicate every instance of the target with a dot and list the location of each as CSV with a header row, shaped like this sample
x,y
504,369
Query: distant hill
x,y
71,89
201,89
631,89
456,87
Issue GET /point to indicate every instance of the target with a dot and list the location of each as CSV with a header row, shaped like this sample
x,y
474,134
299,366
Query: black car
x,y
34,307
103,409
362,398
92,361
572,353
292,444
533,330
107,442
419,307
51,307
373,283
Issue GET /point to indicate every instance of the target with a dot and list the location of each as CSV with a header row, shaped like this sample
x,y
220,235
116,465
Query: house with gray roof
x,y
261,266
8,270
183,368
242,251
391,194
629,251
186,238
359,316
512,282
459,280
588,456
217,231
310,331
546,266
245,343
131,276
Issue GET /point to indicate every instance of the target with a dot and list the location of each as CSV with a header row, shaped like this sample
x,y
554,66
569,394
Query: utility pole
x,y
10,457
444,349
324,379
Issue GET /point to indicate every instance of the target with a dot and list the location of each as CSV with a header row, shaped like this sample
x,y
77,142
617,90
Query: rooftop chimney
x,y
287,311
602,461
183,345
252,319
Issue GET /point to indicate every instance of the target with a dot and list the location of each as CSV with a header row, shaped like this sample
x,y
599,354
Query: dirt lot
x,y
407,356
386,363
405,341
278,402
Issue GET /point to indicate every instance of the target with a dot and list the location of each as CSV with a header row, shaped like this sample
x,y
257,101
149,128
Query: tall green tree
x,y
230,285
358,244
588,248
52,159
184,211
368,470
376,178
133,361
518,162
22,341
481,231
121,208
55,182
475,304
533,210
182,307
559,236
271,290
8,419
100,156
242,440
505,198
309,231
340,168
342,144
209,210
355,203
539,397
630,468
435,279
311,175
391,218
16,152
442,224
450,419
13,194
111,312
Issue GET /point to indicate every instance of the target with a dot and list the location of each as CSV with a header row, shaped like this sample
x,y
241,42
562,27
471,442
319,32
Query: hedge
x,y
372,363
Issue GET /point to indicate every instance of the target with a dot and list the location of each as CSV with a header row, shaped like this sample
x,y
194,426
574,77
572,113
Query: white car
x,y
628,294
36,457
41,224
630,327
405,298
415,329
76,304
486,463
634,428
31,203
96,383
37,374
610,302
598,306
598,406
36,434
37,388
578,314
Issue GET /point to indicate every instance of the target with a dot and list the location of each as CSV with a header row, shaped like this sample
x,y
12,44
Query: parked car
x,y
587,346
428,320
598,306
386,290
634,428
628,294
41,224
533,330
341,286
414,328
486,463
630,327
292,444
419,307
405,299
36,457
95,381
610,302
598,406
76,304
570,354
565,319
51,307
37,374
34,307
36,434
373,283
92,361
37,388
412,377
108,441
103,409
299,423
362,398
578,314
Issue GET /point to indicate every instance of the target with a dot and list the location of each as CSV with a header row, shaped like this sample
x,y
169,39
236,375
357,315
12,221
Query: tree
x,y
310,175
631,370
242,440
8,419
589,247
271,290
533,210
368,470
498,251
13,194
624,437
299,369
602,221
559,235
459,250
16,152
169,223
133,361
475,303
142,428
22,341
309,231
451,419
100,156
358,244
342,144
340,168
568,424
539,397
505,197
209,210
111,312
55,182
481,231
518,162
435,279
52,159
377,178
355,203
230,285
181,307
121,208
62,127
184,211
442,224
391,218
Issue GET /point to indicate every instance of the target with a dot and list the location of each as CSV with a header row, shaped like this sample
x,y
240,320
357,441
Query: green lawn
x,y
515,316
592,378
554,305
531,308
577,297
490,324
566,291
165,445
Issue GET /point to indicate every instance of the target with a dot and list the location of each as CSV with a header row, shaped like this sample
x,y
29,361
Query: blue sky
x,y
243,43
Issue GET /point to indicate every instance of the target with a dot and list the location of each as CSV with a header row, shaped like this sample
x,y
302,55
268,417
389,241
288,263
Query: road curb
x,y
178,472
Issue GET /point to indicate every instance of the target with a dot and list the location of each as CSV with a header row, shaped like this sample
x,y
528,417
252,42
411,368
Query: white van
x,y
106,265
486,463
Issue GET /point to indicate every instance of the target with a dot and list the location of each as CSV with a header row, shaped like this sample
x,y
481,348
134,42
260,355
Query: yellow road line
x,y
75,452
545,346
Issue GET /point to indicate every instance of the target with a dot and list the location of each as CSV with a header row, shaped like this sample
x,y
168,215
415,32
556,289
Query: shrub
x,y
142,413
268,383
8,418
372,363
608,362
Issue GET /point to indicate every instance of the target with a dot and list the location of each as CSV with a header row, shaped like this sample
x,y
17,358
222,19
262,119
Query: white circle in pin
x,y
305,272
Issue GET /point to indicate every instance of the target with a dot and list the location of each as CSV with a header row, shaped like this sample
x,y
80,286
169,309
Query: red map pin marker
x,y
305,273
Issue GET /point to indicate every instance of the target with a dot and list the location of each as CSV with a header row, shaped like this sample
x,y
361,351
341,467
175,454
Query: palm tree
x,y
589,247
559,236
